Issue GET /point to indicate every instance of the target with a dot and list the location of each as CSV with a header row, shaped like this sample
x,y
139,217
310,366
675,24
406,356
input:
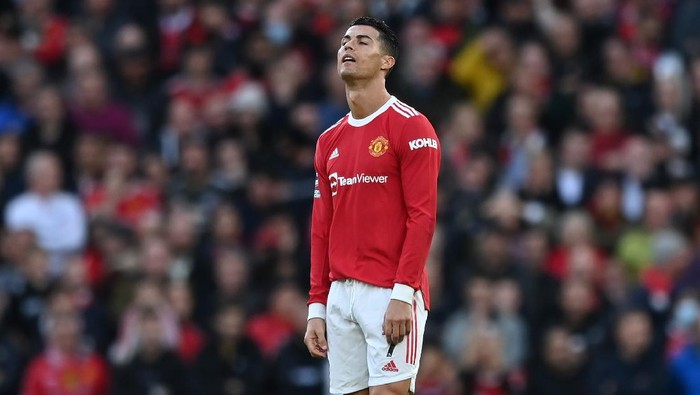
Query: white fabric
x,y
58,221
403,293
570,186
357,349
364,121
317,310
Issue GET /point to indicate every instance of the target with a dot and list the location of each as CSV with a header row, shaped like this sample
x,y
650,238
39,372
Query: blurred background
x,y
156,181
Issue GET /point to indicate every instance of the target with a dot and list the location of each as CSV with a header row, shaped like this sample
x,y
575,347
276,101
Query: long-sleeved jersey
x,y
375,202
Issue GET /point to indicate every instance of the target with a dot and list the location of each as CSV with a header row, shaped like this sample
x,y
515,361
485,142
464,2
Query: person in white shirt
x,y
56,218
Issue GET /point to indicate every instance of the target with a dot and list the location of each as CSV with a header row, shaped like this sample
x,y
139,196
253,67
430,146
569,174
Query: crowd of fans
x,y
156,180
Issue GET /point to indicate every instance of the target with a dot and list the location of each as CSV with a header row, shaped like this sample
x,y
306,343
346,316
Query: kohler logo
x,y
423,143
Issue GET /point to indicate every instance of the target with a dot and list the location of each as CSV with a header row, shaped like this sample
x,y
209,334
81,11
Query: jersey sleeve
x,y
419,160
320,228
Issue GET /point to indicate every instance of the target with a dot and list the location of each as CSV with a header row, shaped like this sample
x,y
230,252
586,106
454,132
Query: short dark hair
x,y
386,35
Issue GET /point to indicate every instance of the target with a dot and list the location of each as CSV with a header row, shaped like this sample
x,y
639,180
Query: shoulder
x,y
333,128
68,198
21,202
331,131
408,118
403,110
38,364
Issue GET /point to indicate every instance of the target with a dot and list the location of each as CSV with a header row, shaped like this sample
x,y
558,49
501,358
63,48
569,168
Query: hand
x,y
398,321
315,338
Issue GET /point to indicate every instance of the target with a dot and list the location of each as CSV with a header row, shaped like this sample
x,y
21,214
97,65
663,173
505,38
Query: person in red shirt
x,y
373,220
66,367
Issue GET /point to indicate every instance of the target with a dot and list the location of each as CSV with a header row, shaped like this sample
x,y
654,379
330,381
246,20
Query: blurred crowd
x,y
156,181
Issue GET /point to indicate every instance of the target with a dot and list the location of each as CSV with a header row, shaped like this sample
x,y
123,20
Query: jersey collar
x,y
364,121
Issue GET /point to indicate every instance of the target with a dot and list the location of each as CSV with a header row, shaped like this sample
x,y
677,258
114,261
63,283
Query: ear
x,y
388,62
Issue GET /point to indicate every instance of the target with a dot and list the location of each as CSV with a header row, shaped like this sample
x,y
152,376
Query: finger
x,y
409,327
395,333
315,350
321,341
311,346
402,331
386,331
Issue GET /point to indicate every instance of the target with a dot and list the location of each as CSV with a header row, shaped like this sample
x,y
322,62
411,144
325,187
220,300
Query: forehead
x,y
362,30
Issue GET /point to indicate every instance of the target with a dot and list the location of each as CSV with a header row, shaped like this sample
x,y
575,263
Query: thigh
x,y
347,353
402,362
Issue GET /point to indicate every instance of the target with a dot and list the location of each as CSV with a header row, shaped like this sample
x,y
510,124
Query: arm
x,y
418,153
320,228
315,337
419,156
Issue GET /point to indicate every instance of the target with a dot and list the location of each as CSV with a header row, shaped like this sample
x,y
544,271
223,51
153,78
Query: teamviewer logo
x,y
333,181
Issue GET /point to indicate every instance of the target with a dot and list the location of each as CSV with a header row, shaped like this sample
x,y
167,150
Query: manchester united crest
x,y
378,146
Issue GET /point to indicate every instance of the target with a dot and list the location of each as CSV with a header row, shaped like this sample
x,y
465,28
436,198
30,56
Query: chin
x,y
346,75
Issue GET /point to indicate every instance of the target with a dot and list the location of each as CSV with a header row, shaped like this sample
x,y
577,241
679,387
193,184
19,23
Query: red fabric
x,y
95,267
269,332
136,202
191,342
196,96
558,263
449,35
488,387
53,41
605,144
656,281
55,374
173,42
374,212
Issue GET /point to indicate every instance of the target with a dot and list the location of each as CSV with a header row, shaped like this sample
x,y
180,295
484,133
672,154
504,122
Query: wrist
x,y
317,310
403,293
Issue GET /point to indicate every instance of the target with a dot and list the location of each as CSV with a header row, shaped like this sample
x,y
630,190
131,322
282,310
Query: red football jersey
x,y
375,201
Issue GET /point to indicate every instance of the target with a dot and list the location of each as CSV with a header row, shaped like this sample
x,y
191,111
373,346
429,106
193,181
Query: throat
x,y
364,102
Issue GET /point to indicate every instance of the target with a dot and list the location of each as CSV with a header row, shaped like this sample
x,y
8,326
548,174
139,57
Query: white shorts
x,y
357,349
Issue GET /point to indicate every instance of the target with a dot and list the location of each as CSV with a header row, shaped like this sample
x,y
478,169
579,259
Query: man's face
x,y
361,54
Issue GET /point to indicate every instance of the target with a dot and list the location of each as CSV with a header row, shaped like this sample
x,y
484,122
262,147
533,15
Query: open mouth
x,y
348,58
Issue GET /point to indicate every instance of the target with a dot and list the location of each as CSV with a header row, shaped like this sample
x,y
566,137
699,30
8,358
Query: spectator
x,y
634,246
154,367
562,368
51,130
580,313
137,84
482,66
191,337
685,365
295,371
481,367
66,367
632,367
575,178
438,375
460,329
274,328
94,111
522,140
56,217
230,359
603,113
577,254
45,32
11,364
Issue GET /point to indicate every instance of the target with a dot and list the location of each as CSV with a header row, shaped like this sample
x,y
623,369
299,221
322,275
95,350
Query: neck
x,y
366,96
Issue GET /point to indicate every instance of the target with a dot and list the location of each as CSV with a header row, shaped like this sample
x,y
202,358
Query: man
x,y
373,221
67,366
56,217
